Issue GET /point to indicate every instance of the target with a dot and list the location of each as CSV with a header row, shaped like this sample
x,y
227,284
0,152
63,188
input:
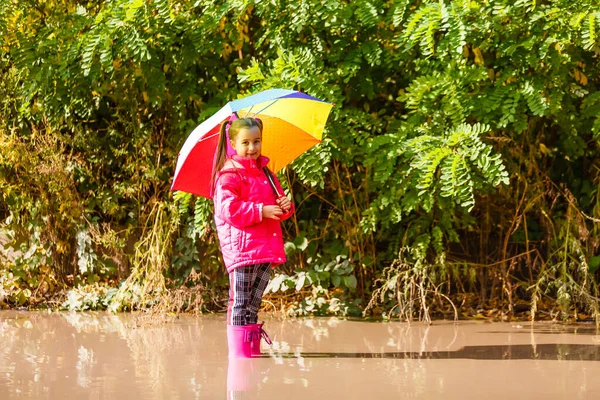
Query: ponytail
x,y
221,155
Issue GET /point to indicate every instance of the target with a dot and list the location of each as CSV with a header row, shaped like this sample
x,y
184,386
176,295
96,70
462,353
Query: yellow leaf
x,y
580,77
544,149
62,247
478,56
145,96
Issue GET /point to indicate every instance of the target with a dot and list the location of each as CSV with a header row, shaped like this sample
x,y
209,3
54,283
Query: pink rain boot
x,y
257,334
239,339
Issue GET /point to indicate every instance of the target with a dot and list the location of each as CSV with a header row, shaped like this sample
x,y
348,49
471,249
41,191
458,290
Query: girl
x,y
247,216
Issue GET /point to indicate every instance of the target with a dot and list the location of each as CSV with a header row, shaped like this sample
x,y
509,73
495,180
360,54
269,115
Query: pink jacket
x,y
241,191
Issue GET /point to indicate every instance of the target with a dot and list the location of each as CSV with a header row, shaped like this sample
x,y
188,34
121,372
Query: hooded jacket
x,y
241,192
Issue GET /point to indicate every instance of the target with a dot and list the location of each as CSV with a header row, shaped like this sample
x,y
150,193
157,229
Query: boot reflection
x,y
243,375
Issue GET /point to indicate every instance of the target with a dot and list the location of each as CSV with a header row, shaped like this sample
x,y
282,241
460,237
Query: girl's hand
x,y
284,203
272,212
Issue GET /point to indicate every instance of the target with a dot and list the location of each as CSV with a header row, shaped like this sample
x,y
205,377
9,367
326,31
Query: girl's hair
x,y
234,128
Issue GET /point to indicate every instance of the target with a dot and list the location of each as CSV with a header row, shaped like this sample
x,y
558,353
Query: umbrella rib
x,y
249,111
208,137
256,113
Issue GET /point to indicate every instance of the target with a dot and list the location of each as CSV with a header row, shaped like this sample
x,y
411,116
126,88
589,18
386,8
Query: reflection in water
x,y
560,329
567,352
148,344
105,356
84,367
243,375
100,353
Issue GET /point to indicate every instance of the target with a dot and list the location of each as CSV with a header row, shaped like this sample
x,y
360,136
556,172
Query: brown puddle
x,y
573,352
103,356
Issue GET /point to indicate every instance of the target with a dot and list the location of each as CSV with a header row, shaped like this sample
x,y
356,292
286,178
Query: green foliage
x,y
89,297
567,274
462,130
326,289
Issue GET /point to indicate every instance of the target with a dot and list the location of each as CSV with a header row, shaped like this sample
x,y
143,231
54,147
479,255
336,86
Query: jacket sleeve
x,y
231,207
288,214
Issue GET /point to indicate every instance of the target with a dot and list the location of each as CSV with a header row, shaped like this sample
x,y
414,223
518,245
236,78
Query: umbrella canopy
x,y
293,122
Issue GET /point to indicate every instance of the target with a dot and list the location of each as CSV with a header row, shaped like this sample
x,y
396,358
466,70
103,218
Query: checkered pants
x,y
246,287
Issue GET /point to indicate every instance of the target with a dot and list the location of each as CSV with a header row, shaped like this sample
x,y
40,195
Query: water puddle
x,y
574,352
105,356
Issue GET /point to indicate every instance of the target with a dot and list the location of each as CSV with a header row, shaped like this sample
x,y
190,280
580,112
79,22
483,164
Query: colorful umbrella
x,y
293,122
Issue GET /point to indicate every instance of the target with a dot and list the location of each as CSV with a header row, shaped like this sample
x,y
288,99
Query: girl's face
x,y
248,142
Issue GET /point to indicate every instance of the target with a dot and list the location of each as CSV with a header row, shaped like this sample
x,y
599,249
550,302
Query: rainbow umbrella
x,y
293,122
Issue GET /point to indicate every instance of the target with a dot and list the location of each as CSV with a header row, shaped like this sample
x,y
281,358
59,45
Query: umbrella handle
x,y
272,182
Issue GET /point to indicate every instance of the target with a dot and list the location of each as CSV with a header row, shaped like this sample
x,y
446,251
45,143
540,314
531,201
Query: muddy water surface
x,y
104,356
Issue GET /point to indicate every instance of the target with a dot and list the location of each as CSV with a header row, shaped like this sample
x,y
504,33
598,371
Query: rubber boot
x,y
239,339
255,340
258,333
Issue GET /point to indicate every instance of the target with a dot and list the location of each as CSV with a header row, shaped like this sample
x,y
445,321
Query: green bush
x,y
460,155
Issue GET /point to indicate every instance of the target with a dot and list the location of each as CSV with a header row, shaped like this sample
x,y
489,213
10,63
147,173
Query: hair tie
x,y
230,150
232,118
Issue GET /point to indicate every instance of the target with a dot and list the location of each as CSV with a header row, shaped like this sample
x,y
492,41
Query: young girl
x,y
247,216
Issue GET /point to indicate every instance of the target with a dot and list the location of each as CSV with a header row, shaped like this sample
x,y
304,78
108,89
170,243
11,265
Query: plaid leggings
x,y
246,287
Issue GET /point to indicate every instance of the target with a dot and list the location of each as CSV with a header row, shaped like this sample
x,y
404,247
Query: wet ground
x,y
103,356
